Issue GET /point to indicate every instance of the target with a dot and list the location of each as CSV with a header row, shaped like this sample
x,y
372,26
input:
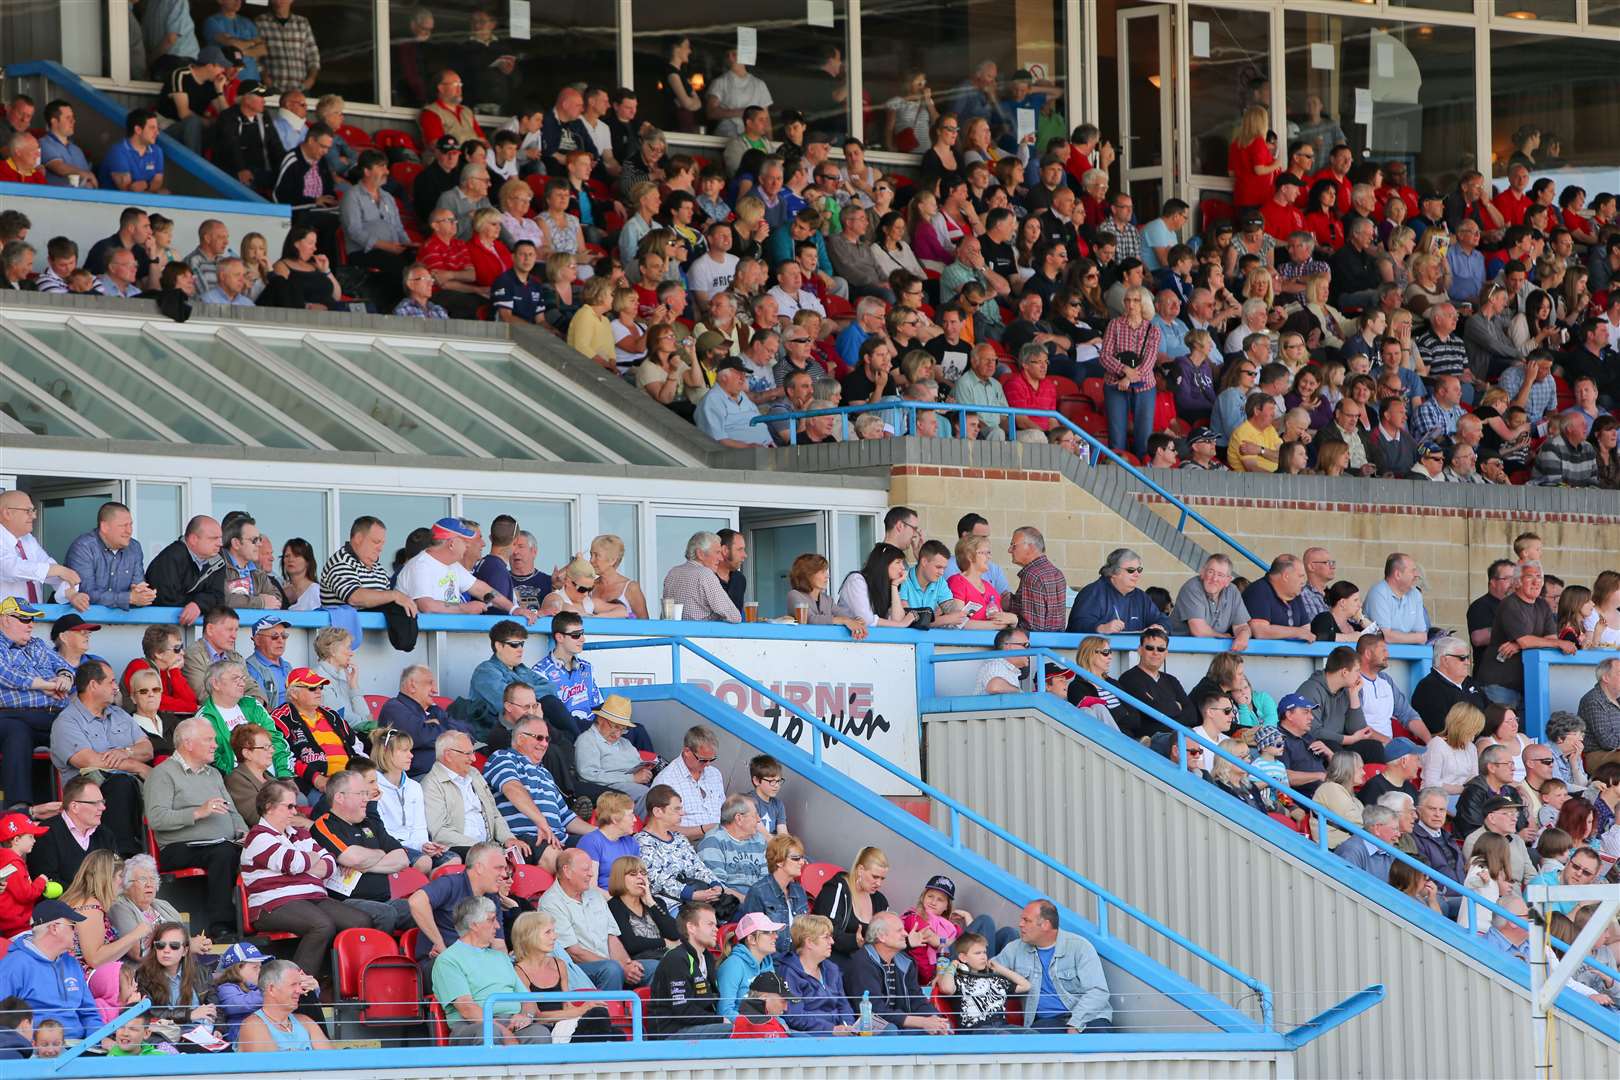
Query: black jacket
x,y
179,582
834,902
1470,812
289,186
684,993
862,974
240,143
1353,271
58,856
1434,696
431,182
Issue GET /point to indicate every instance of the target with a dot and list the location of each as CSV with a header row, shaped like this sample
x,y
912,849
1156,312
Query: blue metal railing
x,y
562,997
1098,448
93,1040
1322,815
957,812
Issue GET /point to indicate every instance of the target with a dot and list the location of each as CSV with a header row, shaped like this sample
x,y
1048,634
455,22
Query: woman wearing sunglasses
x,y
163,651
1095,657
172,978
1114,604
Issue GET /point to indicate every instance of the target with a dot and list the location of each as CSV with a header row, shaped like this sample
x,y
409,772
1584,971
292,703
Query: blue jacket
x,y
422,725
491,678
821,1003
766,898
54,989
236,1004
1100,602
1076,971
13,1046
864,974
737,971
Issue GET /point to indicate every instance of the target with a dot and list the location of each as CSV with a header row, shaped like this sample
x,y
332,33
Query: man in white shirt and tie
x,y
25,567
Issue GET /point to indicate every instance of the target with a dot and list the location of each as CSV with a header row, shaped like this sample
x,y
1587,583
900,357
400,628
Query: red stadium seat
x,y
375,702
1093,389
816,875
942,1002
407,941
152,850
389,138
247,924
357,138
401,883
448,869
537,184
530,881
352,950
1164,411
438,1026
838,308
1065,387
405,173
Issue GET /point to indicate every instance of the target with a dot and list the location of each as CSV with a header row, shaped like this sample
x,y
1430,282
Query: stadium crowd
x,y
1330,318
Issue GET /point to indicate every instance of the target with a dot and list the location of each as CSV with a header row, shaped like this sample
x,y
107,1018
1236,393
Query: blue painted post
x,y
675,661
1102,916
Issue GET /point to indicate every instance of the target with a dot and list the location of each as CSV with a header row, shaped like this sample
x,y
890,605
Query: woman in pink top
x,y
982,600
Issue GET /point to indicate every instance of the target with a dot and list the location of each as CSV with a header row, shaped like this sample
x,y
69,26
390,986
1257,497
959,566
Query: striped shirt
x,y
505,766
344,573
278,868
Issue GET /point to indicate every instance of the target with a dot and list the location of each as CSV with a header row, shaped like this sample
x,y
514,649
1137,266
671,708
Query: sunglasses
x,y
575,634
511,644
1105,652
1155,648
167,945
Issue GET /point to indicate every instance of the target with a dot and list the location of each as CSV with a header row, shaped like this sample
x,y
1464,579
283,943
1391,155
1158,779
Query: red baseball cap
x,y
15,825
303,676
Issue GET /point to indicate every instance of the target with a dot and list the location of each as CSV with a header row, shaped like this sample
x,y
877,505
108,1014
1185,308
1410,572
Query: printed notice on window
x,y
1200,40
1321,56
819,12
517,20
747,46
1364,105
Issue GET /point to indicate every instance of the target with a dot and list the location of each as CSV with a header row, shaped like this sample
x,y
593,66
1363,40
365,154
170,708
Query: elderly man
x,y
1068,991
305,182
213,244
1042,590
42,969
438,582
190,573
92,734
34,685
528,796
685,993
978,385
246,142
470,195
1523,621
473,969
109,561
25,567
1446,684
1113,604
414,712
1276,604
735,852
364,851
1500,815
1396,603
883,969
267,665
1382,702
1434,845
603,756
228,705
725,412
585,928
21,163
1339,723
694,778
1383,823
460,807
1567,459
695,584
433,906
72,834
1600,708
1495,780
232,290
1209,605
195,821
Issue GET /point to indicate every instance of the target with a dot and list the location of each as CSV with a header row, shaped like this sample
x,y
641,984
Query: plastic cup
x,y
672,610
751,611
801,613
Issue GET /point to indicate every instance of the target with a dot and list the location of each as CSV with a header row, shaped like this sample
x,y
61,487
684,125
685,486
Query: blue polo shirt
x,y
913,593
53,149
1263,603
722,417
525,299
123,158
1393,612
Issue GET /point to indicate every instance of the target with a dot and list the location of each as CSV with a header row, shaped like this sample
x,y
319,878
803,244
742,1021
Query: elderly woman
x,y
562,232
613,587
145,691
514,198
1338,792
139,905
228,707
284,871
277,1025
590,331
818,1005
163,651
254,751
778,895
490,257
808,580
1566,734
334,660
1113,604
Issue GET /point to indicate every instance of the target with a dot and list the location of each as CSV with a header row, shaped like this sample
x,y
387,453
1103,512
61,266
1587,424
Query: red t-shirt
x,y
1021,395
1512,204
1302,190
488,263
451,254
1578,223
1281,221
745,1027
1328,229
1249,189
9,173
1078,165
1343,184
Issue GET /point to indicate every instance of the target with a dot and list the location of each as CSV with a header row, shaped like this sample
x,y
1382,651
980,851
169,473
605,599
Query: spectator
x,y
1522,622
1384,824
586,929
1345,770
93,734
305,182
1395,604
34,685
1304,757
1209,605
542,966
22,162
1114,604
277,1025
646,930
694,778
465,200
735,852
319,742
685,995
604,757
528,796
266,666
374,235
25,566
232,30
1446,684
292,118
1042,590
1339,721
1567,459
40,969
694,586
731,95
1382,703
366,853
226,705
354,576
436,579
1275,603
473,969
1501,816
190,573
460,807
416,712
612,839
1068,991
420,285
725,416
292,60
1600,709
777,895
884,970
1494,781
1255,444
136,162
434,905
505,667
191,93
65,162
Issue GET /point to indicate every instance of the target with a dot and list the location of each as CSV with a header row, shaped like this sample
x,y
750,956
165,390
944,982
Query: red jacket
x,y
20,894
10,173
745,1027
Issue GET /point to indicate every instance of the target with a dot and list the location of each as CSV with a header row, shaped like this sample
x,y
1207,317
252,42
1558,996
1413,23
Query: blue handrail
x,y
957,811
93,1040
911,408
1322,814
562,996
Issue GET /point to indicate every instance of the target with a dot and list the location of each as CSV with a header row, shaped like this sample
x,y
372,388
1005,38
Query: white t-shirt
x,y
995,669
735,91
790,304
1378,705
600,134
706,276
232,716
626,360
425,576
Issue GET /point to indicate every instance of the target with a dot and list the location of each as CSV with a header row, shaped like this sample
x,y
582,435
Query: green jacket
x,y
253,711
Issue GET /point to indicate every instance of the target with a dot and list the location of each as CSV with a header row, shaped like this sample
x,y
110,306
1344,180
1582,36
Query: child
x,y
1574,605
503,160
933,924
1268,748
49,1038
1058,680
82,281
1552,851
1527,547
759,1015
130,1040
16,1028
19,892
236,987
1554,794
979,985
765,772
711,185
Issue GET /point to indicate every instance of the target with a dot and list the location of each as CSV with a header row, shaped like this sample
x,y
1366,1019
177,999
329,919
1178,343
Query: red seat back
x,y
375,702
438,1026
530,881
407,941
352,950
449,868
816,875
391,988
358,138
401,883
387,138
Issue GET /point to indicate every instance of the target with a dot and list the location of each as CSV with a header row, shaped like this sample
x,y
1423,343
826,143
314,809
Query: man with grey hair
x,y
585,928
414,712
1114,603
1383,823
470,971
1209,605
195,822
1434,846
364,851
1355,277
1494,781
1404,807
1276,607
695,584
1042,589
460,807
694,778
735,852
1567,459
433,906
883,968
978,385
1600,708
1505,934
470,195
527,794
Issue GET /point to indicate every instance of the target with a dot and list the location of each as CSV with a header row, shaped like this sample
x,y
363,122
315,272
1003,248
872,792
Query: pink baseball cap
x,y
753,923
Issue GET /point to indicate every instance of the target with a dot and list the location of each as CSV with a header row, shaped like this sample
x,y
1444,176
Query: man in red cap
x,y
320,742
437,582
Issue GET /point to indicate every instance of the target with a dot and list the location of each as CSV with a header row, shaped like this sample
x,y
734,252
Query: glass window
x,y
398,513
345,35
550,522
674,530
1603,12
1567,91
770,559
624,521
500,73
1529,10
798,66
961,55
1235,74
1390,90
157,516
1436,5
281,514
856,535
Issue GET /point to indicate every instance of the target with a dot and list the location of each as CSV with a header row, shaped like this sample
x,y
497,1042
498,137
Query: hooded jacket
x,y
54,989
1335,717
821,1003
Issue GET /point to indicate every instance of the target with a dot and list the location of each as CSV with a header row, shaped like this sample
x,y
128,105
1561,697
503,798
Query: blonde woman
x,y
1327,318
590,332
1427,289
1095,657
1452,760
146,694
983,603
612,585
669,369
750,229
1250,161
514,198
851,899
1400,328
256,259
540,969
92,893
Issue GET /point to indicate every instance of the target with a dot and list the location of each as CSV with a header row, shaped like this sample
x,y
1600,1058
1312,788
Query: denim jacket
x,y
1076,971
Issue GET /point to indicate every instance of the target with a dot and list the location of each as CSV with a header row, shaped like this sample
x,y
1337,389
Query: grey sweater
x,y
1335,716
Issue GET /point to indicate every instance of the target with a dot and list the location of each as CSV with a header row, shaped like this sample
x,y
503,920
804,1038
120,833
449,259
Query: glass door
x,y
1147,126
774,542
673,526
68,509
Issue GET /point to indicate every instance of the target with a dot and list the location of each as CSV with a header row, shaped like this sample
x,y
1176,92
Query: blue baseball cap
x,y
243,952
1295,701
449,526
269,622
1399,748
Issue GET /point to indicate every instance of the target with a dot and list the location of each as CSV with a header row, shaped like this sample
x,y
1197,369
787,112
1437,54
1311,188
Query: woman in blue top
x,y
778,895
276,1026
753,954
819,1006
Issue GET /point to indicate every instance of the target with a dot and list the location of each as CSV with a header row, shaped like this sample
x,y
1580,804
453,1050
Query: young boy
x,y
503,159
1527,546
1058,680
49,1039
759,1015
18,892
130,1040
1554,794
711,186
1268,748
765,772
16,1028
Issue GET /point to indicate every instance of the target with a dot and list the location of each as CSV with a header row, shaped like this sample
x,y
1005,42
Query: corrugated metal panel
x,y
1310,938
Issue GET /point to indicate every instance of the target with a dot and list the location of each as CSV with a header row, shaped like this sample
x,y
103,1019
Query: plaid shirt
x,y
1431,420
292,55
1041,602
1543,394
412,309
20,665
699,592
1129,244
1315,603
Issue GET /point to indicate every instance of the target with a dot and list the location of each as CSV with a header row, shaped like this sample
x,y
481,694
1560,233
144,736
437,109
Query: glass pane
x,y
1568,90
1421,78
549,521
1530,10
399,419
474,38
19,400
624,521
674,530
856,535
1235,75
344,35
1603,12
122,379
231,406
554,437
770,557
88,400
1145,93
281,514
157,516
63,520
398,513
799,67
1436,5
314,411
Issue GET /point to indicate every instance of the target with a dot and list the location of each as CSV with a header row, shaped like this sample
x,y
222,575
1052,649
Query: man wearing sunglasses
x,y
266,666
1114,604
695,779
1149,682
1209,605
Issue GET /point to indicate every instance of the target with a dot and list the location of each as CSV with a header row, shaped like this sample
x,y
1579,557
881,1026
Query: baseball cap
x,y
71,621
245,89
211,54
447,143
711,339
233,56
1056,671
731,363
941,883
15,825
753,923
1295,701
50,910
269,622
303,676
1431,448
447,527
18,610
769,982
1266,736
1251,218
1399,748
1500,802
1432,196
243,952
1203,434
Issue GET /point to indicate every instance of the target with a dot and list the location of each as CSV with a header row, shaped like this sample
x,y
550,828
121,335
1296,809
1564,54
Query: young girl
x,y
979,985
934,924
1490,874
236,987
20,892
1574,608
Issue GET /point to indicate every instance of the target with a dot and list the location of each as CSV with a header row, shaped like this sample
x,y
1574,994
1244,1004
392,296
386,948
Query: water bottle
x,y
866,1025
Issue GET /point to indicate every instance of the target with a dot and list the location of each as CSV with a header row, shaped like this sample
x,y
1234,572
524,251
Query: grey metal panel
x,y
1309,937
